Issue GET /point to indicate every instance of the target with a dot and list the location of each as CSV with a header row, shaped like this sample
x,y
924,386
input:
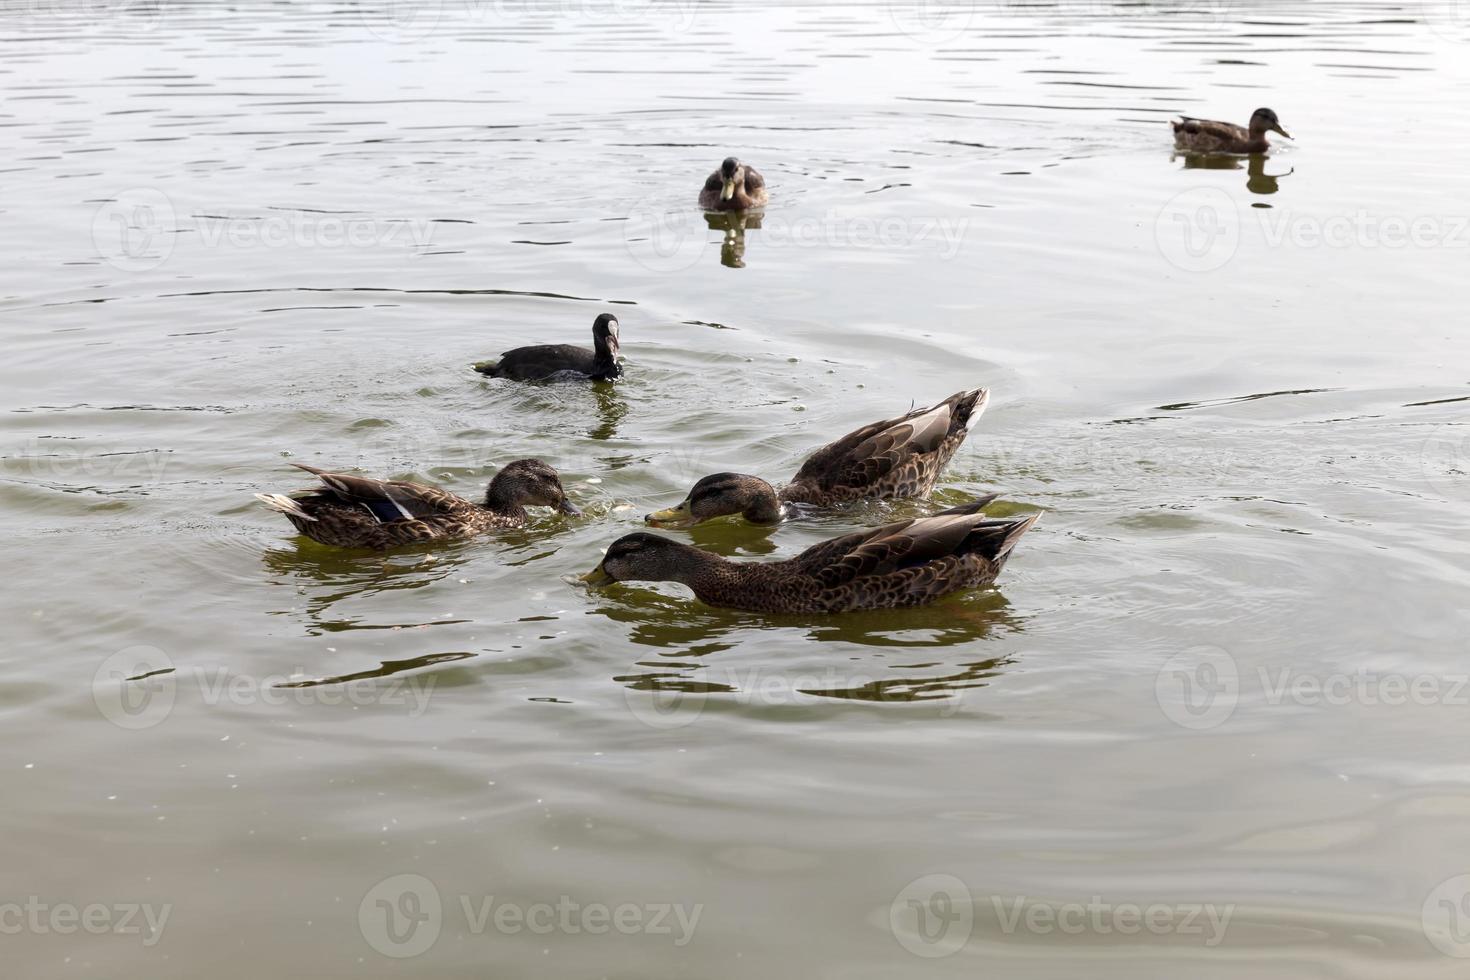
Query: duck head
x,y
721,494
1264,121
528,482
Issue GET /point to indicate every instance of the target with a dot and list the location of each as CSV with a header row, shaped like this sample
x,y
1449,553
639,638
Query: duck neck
x,y
605,361
764,506
501,498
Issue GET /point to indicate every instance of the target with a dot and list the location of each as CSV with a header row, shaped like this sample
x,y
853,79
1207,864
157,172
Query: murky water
x,y
1211,722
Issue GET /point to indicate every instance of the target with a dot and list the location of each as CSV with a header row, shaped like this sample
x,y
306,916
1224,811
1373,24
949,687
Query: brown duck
x,y
1208,136
357,512
563,361
734,187
909,563
900,457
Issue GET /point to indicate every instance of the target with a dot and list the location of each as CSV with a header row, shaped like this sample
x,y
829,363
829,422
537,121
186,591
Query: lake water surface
x,y
1212,722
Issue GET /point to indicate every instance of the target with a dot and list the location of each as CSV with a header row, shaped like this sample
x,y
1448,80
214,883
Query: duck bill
x,y
679,516
569,508
728,191
1278,129
598,577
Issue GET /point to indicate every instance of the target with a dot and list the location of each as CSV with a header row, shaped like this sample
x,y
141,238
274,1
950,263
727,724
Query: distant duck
x,y
552,361
1208,136
357,512
734,187
899,457
908,563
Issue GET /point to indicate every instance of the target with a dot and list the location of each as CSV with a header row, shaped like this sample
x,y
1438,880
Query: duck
x,y
734,187
358,512
893,458
563,360
907,563
1208,136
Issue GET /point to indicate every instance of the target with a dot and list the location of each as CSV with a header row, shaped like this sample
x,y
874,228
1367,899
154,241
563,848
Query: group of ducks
x,y
907,563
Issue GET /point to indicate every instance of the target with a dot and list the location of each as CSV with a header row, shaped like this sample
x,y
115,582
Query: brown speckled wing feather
x,y
411,501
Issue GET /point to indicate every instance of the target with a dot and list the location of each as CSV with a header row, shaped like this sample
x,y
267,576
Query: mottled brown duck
x,y
1209,136
894,458
358,512
563,361
909,563
734,187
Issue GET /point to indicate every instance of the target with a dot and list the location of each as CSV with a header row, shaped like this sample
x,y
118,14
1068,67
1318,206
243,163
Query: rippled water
x,y
1221,685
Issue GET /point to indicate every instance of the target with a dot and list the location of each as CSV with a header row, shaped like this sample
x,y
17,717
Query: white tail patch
x,y
979,409
284,504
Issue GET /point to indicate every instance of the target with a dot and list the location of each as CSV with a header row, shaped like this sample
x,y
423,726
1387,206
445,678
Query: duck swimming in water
x,y
1209,136
734,187
563,360
908,563
899,457
358,512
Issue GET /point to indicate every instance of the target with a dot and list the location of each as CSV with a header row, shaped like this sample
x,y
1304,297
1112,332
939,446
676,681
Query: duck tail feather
x,y
284,504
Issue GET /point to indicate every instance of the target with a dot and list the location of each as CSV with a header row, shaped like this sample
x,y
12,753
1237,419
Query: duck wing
x,y
1210,129
895,548
864,458
534,363
389,500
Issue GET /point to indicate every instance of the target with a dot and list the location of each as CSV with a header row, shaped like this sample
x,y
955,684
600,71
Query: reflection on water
x,y
734,225
1258,181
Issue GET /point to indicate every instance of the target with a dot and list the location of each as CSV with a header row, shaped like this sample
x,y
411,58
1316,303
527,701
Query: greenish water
x,y
1220,689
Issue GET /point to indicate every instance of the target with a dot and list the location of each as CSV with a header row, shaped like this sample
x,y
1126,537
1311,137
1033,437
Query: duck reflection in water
x,y
733,224
1257,181
671,623
680,695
